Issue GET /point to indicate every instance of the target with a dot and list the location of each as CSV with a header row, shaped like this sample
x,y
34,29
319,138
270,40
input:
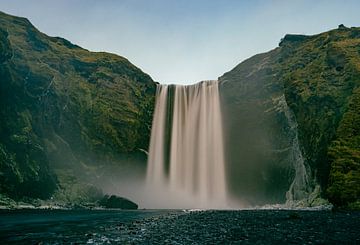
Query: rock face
x,y
257,141
117,202
66,114
319,77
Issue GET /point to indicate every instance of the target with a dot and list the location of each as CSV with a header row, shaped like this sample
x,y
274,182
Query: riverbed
x,y
179,227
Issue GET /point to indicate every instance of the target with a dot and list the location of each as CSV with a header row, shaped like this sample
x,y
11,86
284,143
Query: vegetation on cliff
x,y
322,80
320,77
65,111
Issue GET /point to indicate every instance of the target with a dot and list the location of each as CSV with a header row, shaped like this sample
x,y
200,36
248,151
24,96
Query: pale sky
x,y
183,41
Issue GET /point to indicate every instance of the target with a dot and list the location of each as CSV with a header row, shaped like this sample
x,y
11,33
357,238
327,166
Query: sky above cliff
x,y
183,41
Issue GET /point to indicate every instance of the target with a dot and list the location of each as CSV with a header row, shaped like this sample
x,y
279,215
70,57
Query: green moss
x,y
344,156
323,92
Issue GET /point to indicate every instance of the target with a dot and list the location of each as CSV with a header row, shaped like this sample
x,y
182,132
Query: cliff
x,y
66,112
319,78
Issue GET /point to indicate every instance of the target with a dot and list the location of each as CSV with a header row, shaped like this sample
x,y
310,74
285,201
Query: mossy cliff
x,y
322,84
319,77
65,110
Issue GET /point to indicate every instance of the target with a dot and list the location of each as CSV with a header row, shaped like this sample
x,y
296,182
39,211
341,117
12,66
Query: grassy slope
x,y
63,106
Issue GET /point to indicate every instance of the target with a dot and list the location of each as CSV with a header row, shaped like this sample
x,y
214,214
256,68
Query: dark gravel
x,y
243,227
196,227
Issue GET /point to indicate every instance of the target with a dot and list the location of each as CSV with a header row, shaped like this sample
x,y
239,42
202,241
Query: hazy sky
x,y
183,41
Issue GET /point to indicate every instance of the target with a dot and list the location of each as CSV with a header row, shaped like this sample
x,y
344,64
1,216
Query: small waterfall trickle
x,y
300,187
186,166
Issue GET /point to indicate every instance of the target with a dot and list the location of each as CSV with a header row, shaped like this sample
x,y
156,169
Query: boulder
x,y
114,201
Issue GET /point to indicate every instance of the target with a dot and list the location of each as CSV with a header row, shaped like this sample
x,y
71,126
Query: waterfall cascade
x,y
303,191
186,157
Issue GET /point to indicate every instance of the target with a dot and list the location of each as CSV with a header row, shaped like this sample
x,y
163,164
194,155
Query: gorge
x,y
75,125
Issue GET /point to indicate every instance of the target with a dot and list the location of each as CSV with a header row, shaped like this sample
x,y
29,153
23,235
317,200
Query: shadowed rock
x,y
117,202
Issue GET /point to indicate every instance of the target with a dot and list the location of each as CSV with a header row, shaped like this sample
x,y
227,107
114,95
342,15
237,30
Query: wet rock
x,y
114,201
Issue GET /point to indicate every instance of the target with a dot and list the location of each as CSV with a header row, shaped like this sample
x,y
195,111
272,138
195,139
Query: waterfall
x,y
300,186
186,167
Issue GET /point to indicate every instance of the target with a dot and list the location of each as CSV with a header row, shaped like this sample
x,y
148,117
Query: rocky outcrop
x,y
117,202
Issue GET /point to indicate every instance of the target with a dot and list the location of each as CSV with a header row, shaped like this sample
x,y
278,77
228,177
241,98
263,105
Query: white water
x,y
186,167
